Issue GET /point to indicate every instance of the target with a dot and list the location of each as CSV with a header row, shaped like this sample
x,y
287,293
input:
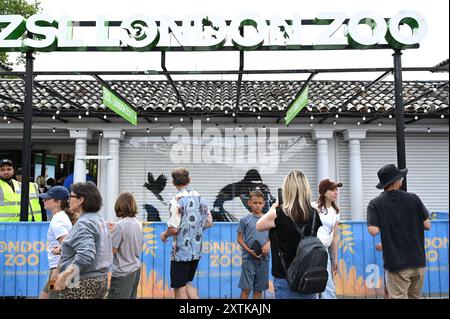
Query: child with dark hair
x,y
256,247
127,247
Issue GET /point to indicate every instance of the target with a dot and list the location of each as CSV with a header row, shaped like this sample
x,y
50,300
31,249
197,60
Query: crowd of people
x,y
84,248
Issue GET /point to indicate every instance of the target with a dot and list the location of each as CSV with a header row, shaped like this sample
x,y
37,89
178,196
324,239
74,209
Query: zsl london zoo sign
x,y
139,32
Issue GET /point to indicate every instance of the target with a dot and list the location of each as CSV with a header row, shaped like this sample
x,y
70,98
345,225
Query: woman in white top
x,y
56,201
328,232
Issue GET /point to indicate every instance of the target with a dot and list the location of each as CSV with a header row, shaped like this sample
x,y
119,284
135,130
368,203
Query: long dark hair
x,y
322,201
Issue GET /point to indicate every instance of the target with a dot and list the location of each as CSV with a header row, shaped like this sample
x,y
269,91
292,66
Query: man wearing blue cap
x,y
401,218
10,193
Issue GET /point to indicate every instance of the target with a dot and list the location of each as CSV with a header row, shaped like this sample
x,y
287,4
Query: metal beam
x,y
26,140
169,78
399,114
351,99
426,115
238,91
104,83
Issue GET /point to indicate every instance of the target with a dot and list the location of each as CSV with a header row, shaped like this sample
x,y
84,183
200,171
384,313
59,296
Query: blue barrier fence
x,y
24,268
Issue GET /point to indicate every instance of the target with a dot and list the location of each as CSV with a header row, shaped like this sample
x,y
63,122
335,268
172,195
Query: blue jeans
x,y
330,291
282,291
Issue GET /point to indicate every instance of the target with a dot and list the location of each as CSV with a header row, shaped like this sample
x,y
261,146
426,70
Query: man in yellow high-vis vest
x,y
10,192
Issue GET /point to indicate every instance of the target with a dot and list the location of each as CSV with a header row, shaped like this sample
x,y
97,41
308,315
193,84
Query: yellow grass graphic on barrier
x,y
349,284
149,245
151,287
346,238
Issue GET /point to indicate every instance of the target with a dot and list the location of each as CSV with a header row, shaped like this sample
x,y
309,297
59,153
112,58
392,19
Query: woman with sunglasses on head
x,y
86,255
328,232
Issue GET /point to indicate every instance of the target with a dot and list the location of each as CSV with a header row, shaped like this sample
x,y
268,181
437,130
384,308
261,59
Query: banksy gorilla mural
x,y
240,189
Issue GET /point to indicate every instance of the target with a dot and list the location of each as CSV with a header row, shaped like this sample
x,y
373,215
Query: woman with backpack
x,y
56,201
328,233
284,222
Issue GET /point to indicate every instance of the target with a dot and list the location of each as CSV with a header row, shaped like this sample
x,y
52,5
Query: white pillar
x,y
102,170
112,175
322,136
79,167
355,168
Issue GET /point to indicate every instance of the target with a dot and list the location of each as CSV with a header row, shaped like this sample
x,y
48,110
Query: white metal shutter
x,y
426,160
343,177
140,155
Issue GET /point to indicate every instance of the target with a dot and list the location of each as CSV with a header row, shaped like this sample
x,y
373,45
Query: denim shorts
x,y
282,291
254,275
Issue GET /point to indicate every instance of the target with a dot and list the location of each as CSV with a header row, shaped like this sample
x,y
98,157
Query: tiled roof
x,y
217,96
441,67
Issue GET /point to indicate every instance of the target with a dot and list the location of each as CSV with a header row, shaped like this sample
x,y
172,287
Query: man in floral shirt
x,y
189,216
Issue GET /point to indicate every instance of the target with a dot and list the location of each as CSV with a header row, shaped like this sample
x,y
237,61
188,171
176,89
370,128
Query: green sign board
x,y
119,106
296,106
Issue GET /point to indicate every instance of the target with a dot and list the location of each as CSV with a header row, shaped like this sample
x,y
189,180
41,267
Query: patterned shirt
x,y
189,214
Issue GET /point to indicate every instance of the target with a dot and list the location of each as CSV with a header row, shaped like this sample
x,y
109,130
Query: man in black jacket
x,y
401,218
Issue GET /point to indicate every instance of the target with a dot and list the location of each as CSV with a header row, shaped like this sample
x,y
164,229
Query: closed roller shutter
x,y
140,155
343,177
426,159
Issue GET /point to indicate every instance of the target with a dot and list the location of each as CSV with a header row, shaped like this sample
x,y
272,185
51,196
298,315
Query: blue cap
x,y
56,192
6,161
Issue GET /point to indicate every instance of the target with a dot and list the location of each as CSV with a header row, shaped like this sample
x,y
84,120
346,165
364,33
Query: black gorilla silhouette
x,y
251,182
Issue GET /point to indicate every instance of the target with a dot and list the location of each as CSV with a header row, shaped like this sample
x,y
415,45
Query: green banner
x,y
119,106
299,103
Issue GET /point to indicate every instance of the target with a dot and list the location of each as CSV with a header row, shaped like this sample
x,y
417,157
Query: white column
x,y
354,137
112,172
102,170
79,167
322,136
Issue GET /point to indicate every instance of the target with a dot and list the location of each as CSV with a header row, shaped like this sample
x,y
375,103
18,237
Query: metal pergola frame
x,y
29,77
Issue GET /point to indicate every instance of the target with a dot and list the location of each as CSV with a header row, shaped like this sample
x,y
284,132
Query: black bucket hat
x,y
389,174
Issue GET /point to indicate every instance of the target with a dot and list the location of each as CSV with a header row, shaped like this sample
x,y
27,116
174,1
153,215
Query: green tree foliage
x,y
20,7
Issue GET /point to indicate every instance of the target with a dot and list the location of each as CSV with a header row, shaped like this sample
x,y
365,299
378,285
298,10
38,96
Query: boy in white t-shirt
x,y
327,233
56,201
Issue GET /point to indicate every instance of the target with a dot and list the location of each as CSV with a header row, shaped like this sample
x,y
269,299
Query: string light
x,y
233,114
226,111
87,112
312,117
429,130
148,130
53,117
311,124
390,116
334,122
9,122
171,126
379,124
434,89
156,119
442,116
359,123
264,127
259,117
364,118
339,110
5,118
181,119
336,116
123,132
105,117
207,119
170,111
53,130
416,117
79,117
101,134
57,112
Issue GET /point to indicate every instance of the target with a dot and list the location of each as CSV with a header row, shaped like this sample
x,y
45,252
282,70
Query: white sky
x,y
433,49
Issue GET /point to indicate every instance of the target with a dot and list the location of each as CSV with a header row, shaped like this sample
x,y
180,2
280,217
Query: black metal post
x,y
399,113
26,146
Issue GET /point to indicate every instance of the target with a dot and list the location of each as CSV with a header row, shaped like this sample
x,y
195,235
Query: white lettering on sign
x,y
247,31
